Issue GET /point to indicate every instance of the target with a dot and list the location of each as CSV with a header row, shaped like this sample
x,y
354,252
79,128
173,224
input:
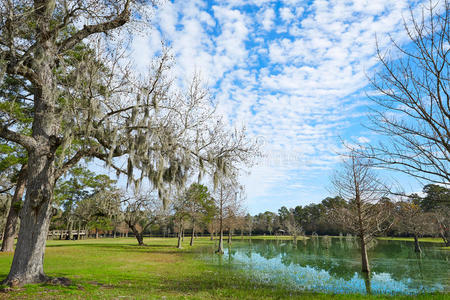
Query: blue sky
x,y
293,72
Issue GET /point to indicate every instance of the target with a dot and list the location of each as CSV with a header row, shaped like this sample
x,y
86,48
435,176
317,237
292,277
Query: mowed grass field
x,y
119,269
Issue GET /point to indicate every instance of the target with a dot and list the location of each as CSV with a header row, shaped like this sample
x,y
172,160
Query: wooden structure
x,y
64,234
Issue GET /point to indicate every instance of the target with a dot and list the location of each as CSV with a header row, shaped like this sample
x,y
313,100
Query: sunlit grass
x,y
421,240
119,269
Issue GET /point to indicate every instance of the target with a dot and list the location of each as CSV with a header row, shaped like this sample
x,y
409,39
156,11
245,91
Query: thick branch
x,y
88,30
27,142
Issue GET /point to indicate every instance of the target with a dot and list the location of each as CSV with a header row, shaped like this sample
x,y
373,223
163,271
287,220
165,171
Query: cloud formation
x,y
291,71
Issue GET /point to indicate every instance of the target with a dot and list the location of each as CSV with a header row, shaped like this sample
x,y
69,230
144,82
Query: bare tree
x,y
227,200
292,227
364,215
413,220
412,100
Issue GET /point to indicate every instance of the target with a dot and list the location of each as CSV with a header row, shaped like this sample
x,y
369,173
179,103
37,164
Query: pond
x,y
332,265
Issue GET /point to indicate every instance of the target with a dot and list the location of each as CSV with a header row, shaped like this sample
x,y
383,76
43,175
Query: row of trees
x,y
413,215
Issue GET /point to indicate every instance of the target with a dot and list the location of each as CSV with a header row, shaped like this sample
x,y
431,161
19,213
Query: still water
x,y
332,265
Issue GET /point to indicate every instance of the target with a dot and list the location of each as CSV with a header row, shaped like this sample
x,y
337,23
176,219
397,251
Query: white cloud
x,y
298,86
267,18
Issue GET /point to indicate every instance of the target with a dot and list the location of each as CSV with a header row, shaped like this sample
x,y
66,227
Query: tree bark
x,y
14,210
140,239
192,236
69,230
230,232
139,236
27,266
179,237
367,283
444,233
79,231
364,258
220,250
416,244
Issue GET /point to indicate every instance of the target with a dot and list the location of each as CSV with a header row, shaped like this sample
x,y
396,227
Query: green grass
x,y
119,269
421,240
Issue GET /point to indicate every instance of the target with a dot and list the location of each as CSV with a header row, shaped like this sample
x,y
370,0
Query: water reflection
x,y
333,264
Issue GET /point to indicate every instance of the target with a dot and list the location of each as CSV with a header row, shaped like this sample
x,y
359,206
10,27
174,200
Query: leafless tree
x,y
364,215
292,227
412,101
411,219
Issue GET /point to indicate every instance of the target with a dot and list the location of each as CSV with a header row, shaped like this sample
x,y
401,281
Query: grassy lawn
x,y
119,269
421,240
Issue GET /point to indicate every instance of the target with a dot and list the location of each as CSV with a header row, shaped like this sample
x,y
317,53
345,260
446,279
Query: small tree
x,y
293,228
141,212
227,201
412,220
364,215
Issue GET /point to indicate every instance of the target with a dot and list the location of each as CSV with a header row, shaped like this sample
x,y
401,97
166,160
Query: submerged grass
x,y
119,269
270,237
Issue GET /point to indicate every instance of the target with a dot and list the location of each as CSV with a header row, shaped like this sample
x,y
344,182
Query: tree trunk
x,y
96,233
367,283
230,233
179,237
140,239
443,232
364,258
79,231
139,235
27,265
212,235
14,210
416,244
192,236
182,235
69,230
220,250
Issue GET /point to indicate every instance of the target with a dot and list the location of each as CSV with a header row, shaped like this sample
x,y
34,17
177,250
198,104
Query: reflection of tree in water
x,y
340,257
